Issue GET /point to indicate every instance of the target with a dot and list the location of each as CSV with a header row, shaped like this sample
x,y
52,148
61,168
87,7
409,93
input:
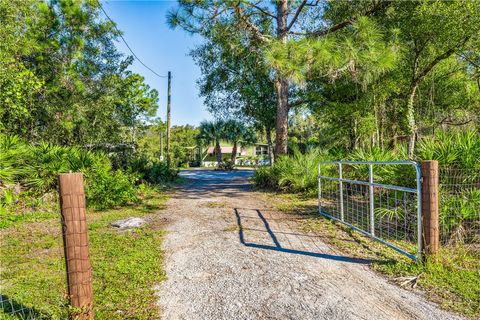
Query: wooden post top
x,y
70,183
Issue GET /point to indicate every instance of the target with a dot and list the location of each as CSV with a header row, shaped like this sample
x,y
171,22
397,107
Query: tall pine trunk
x,y
282,117
281,85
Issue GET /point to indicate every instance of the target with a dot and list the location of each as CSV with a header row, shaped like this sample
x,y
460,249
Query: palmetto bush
x,y
460,216
460,149
12,152
458,154
30,171
295,173
151,170
403,175
299,172
266,178
110,188
42,165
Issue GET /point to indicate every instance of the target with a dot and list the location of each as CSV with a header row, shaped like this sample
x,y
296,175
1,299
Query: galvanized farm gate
x,y
381,199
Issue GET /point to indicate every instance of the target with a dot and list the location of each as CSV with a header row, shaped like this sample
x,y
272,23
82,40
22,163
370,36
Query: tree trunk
x,y
218,152
270,146
281,131
412,127
281,85
234,153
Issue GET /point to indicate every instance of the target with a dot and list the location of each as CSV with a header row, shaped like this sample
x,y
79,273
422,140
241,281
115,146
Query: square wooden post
x,y
75,240
430,196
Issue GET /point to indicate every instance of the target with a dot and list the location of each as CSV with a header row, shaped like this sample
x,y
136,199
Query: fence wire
x,y
32,267
460,207
395,212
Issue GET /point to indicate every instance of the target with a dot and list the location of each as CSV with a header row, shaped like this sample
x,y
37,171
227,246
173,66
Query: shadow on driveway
x,y
296,243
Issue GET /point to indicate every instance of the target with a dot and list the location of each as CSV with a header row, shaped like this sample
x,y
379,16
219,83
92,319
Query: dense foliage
x,y
362,73
298,172
61,78
67,90
28,176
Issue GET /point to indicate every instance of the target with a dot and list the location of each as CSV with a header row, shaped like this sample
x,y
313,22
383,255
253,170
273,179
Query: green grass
x,y
452,278
126,265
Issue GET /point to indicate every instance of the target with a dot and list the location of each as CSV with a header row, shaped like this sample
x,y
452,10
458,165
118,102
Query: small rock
x,y
129,223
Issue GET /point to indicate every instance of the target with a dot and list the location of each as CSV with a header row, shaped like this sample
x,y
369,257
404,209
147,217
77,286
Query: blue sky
x,y
145,29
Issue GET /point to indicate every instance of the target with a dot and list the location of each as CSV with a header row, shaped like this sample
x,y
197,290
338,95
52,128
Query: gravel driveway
x,y
229,255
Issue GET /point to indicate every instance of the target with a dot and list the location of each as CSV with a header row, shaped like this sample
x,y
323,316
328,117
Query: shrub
x,y
33,169
110,189
158,172
296,173
266,178
12,154
388,174
154,172
458,211
226,166
459,149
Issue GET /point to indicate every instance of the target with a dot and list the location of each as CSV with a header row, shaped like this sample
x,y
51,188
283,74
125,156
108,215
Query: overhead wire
x,y
128,46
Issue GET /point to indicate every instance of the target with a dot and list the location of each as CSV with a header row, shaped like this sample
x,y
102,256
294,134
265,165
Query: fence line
x,y
460,207
32,262
29,249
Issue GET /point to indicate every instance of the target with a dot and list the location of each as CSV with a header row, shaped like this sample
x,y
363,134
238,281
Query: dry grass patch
x,y
214,204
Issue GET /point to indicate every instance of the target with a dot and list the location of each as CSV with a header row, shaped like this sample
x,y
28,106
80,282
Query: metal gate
x,y
381,199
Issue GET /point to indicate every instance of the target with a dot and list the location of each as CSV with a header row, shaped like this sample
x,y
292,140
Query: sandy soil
x,y
229,255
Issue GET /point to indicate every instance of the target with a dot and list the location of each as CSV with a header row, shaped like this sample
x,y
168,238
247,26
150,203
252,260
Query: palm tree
x,y
213,132
236,132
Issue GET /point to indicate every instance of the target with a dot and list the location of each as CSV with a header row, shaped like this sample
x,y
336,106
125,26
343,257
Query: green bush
x,y
12,154
402,175
154,172
110,189
266,178
460,149
226,166
296,173
33,170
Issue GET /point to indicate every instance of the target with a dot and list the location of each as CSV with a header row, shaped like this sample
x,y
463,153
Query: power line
x,y
124,41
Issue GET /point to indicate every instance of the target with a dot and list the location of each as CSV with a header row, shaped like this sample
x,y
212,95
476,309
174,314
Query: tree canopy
x,y
364,73
62,79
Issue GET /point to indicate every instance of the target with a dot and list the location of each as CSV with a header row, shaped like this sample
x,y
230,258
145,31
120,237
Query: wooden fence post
x,y
75,241
431,232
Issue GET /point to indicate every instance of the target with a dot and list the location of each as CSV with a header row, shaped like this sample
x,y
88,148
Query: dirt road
x,y
229,255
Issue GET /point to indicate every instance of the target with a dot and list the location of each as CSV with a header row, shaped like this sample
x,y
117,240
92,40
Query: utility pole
x,y
161,145
169,156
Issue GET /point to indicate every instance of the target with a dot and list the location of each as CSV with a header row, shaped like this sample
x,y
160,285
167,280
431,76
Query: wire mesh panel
x,y
32,272
380,199
460,207
32,267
